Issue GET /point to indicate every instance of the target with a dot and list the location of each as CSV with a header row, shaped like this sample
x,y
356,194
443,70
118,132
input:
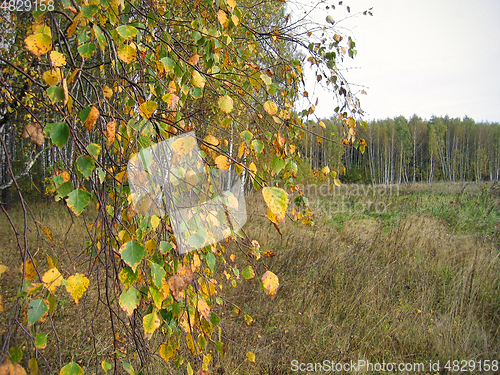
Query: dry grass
x,y
381,289
417,282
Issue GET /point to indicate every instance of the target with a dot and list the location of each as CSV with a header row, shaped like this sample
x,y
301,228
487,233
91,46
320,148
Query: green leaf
x,y
247,136
85,164
132,253
101,174
84,113
15,354
127,276
36,309
157,274
55,94
248,272
89,11
196,92
150,322
168,63
277,164
258,146
128,367
71,368
87,50
106,366
59,134
94,149
165,247
129,300
226,122
156,295
196,241
214,319
77,200
41,341
210,258
65,189
126,31
101,38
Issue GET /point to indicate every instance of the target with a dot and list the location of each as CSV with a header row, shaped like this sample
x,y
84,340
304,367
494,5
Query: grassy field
x,y
406,277
414,282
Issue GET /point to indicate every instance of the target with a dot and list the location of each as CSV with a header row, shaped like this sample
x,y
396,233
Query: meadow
x,y
411,278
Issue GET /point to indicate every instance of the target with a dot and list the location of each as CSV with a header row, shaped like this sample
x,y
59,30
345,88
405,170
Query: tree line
x,y
400,150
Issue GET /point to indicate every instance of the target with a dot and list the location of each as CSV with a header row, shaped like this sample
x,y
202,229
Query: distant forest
x,y
398,150
415,150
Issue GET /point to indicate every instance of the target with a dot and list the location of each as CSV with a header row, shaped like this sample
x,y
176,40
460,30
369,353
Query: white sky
x,y
424,57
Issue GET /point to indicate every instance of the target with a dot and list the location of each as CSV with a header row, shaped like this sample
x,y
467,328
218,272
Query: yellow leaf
x,y
147,109
108,92
30,272
211,140
111,131
222,17
271,107
66,94
231,3
150,323
38,44
57,59
193,60
272,216
52,77
251,357
225,104
166,352
155,221
3,268
191,178
248,319
326,170
276,200
322,124
127,53
222,162
77,285
204,309
52,279
270,283
196,262
184,145
50,262
121,177
235,19
350,122
92,118
150,246
253,169
197,80
48,233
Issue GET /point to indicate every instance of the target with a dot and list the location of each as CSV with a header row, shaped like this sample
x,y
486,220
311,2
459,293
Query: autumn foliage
x,y
108,78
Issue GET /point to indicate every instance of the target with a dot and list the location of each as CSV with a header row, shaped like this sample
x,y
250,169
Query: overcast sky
x,y
424,57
